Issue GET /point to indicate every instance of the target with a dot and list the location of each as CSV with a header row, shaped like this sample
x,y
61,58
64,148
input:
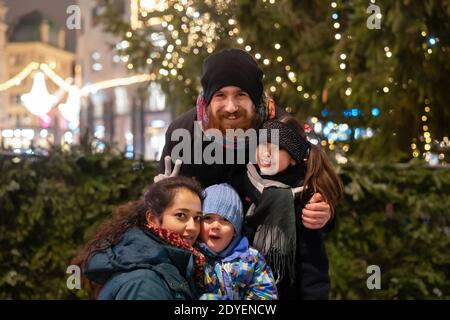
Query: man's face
x,y
231,108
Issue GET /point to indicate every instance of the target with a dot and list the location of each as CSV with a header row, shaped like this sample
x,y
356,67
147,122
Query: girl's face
x,y
183,216
271,159
217,232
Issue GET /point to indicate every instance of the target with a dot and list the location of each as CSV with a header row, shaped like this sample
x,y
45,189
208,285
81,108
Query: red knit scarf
x,y
174,239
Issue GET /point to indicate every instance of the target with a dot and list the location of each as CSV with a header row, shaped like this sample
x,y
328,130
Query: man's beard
x,y
246,120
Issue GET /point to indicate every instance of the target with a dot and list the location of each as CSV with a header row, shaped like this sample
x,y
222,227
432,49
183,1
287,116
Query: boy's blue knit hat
x,y
223,200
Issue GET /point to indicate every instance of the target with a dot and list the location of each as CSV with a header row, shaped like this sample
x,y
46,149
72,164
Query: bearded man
x,y
233,97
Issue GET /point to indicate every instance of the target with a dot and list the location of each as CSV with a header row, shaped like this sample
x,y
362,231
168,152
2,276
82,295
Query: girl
x,y
294,249
145,250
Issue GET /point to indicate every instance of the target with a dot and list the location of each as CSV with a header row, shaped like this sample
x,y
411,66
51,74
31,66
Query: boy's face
x,y
216,231
271,159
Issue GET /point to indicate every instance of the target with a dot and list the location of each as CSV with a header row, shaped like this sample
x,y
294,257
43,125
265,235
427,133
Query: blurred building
x,y
3,71
33,38
133,116
130,115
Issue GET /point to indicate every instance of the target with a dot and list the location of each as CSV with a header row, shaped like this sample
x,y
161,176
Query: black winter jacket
x,y
206,174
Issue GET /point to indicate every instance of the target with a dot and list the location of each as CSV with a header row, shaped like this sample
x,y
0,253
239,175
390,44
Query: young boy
x,y
233,270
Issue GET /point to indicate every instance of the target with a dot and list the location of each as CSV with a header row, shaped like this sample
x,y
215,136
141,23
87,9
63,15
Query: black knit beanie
x,y
232,67
289,140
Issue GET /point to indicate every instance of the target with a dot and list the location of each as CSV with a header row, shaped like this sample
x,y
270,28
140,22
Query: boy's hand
x,y
316,213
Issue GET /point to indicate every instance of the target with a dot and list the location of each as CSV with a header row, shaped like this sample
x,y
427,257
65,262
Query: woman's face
x,y
271,159
217,232
183,216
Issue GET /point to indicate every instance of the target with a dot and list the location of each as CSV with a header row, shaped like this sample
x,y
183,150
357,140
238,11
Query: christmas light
x,y
54,77
17,79
38,101
116,82
71,109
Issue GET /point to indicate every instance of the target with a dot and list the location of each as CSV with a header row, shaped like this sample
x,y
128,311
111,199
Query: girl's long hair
x,y
320,175
132,214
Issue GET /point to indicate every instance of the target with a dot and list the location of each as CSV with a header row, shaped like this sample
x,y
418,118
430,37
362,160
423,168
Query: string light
x,y
54,77
17,79
116,83
426,137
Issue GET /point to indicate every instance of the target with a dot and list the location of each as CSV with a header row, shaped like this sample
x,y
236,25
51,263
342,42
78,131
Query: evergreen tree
x,y
320,58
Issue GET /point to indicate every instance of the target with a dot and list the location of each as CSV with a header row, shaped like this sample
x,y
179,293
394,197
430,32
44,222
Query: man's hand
x,y
316,213
168,169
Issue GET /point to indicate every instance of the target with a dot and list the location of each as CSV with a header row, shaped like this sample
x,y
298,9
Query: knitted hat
x,y
232,67
289,140
221,199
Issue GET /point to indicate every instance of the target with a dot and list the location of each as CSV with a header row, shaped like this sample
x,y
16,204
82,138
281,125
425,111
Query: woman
x,y
145,250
